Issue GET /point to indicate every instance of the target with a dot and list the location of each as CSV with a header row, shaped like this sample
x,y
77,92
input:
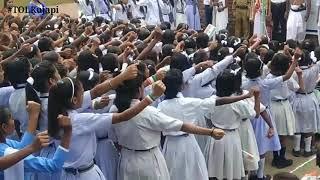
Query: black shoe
x,y
282,163
296,153
266,177
308,154
253,177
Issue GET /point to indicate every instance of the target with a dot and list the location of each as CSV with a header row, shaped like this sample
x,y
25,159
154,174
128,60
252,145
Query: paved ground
x,y
300,167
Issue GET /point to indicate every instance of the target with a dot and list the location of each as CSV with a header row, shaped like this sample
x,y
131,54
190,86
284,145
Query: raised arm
x,y
296,57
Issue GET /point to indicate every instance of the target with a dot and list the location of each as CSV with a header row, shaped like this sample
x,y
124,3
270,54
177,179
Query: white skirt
x,y
142,165
224,157
306,110
296,26
107,158
259,25
249,145
184,158
284,118
181,18
93,174
222,20
202,140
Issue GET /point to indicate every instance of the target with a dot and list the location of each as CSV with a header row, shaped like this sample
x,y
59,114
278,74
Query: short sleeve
x,y
293,85
207,103
243,110
188,74
83,123
272,83
161,122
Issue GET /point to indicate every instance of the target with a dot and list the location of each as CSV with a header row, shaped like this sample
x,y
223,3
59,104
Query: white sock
x,y
297,139
260,172
307,144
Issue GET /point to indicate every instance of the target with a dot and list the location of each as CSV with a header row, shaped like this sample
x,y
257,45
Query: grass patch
x,y
47,2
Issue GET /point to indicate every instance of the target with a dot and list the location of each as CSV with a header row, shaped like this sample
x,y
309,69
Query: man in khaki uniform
x,y
242,13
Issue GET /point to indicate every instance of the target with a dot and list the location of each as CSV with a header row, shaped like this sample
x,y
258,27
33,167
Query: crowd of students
x,y
97,98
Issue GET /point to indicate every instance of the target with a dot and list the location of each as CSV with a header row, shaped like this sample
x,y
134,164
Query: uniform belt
x,y
306,93
280,100
184,135
228,130
300,9
102,138
139,150
242,7
79,170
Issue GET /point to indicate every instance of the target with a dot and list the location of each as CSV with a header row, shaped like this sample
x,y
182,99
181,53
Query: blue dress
x,y
32,163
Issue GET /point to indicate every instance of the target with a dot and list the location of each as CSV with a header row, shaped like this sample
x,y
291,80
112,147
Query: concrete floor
x,y
301,165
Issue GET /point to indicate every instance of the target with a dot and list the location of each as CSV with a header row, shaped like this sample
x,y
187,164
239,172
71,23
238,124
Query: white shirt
x,y
283,91
120,13
229,116
86,9
144,130
17,106
310,76
135,9
206,2
195,85
189,110
84,128
152,16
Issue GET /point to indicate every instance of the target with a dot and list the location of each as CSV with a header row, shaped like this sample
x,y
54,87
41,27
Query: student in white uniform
x,y
227,152
306,106
297,19
153,12
122,10
179,9
181,151
44,76
5,92
68,97
31,163
280,106
222,15
107,156
141,157
87,8
104,9
18,72
136,10
254,74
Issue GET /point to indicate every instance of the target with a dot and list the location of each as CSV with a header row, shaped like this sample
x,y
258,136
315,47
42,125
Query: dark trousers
x,y
279,22
208,13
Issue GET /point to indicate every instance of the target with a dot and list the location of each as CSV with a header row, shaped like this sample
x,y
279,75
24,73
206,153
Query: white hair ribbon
x,y
235,71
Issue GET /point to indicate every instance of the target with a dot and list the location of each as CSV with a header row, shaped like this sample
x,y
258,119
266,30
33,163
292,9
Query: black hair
x,y
292,43
8,53
274,45
305,58
180,61
222,53
88,79
317,53
60,101
190,43
45,44
109,62
129,90
151,66
202,40
280,64
143,34
308,44
165,26
168,37
41,74
167,50
264,40
268,56
225,83
200,56
114,50
62,70
87,60
5,115
18,71
173,82
51,56
253,66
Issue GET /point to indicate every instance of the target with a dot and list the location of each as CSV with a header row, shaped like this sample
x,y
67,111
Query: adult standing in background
x,y
87,8
242,13
208,9
193,16
279,10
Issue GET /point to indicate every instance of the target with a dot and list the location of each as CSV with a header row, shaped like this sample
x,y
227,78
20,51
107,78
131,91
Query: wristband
x,y
154,78
153,97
